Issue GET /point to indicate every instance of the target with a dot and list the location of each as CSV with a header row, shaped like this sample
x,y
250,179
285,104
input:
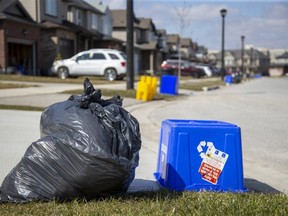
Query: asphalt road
x,y
258,106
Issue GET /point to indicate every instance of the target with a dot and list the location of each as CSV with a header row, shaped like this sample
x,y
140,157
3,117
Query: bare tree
x,y
182,18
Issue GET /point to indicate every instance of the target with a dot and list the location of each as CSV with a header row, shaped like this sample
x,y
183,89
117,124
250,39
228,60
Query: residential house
x,y
19,40
188,51
173,43
151,55
278,56
147,50
278,62
70,26
105,27
162,42
254,61
120,32
212,57
238,60
67,27
103,24
195,51
56,39
86,20
186,48
201,54
229,59
259,62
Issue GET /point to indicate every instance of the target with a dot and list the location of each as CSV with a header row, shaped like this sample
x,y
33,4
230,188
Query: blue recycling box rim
x,y
198,123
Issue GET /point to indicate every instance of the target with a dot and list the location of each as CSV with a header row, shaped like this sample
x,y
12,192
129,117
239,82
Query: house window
x,y
51,7
94,22
79,17
147,36
138,35
70,16
106,25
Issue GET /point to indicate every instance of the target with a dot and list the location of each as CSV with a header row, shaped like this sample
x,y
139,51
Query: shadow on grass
x,y
252,185
147,189
143,185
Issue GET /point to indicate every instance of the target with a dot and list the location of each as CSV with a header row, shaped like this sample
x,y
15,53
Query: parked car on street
x,y
170,66
208,71
215,71
95,62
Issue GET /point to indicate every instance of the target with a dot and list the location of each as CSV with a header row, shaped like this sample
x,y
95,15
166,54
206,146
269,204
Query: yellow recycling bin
x,y
146,89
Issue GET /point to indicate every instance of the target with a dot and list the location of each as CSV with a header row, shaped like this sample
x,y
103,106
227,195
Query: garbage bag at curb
x,y
89,147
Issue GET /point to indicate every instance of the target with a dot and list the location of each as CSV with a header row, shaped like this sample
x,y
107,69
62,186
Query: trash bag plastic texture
x,y
89,147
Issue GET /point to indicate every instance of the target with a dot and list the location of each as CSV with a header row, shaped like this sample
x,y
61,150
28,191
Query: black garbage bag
x,y
89,147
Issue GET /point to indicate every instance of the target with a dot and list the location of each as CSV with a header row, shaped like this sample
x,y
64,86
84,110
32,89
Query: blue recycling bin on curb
x,y
169,85
228,79
197,155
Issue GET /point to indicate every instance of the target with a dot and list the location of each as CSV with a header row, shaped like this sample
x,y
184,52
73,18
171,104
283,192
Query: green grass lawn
x,y
93,79
195,84
13,85
18,107
160,203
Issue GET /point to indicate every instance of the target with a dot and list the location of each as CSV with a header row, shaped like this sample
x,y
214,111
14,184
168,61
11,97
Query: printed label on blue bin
x,y
213,162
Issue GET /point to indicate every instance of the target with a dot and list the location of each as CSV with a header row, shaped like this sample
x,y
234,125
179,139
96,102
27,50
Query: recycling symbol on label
x,y
202,144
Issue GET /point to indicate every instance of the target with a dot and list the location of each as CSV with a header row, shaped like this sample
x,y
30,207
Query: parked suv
x,y
170,66
96,62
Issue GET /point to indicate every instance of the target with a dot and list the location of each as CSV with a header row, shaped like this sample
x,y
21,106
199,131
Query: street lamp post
x,y
223,13
242,56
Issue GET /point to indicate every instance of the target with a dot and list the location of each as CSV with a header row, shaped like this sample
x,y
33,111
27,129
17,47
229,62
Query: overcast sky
x,y
263,23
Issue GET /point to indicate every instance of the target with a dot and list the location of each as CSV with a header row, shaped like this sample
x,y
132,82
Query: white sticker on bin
x,y
213,162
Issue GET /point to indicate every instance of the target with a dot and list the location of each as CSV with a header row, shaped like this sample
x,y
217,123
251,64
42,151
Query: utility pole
x,y
130,45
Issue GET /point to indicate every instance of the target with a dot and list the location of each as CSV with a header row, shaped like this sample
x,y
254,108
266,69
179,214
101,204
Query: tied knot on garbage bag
x,y
90,95
89,147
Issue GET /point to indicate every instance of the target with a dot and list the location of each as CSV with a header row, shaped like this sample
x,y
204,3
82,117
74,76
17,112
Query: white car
x,y
96,62
207,70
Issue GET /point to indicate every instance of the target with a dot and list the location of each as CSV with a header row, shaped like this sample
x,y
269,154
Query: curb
x,y
210,88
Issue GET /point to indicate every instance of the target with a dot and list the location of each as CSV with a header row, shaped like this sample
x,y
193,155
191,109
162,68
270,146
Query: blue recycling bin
x,y
169,85
228,79
198,155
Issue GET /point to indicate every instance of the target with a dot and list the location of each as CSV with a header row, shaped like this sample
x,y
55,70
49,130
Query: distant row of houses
x,y
33,33
255,60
